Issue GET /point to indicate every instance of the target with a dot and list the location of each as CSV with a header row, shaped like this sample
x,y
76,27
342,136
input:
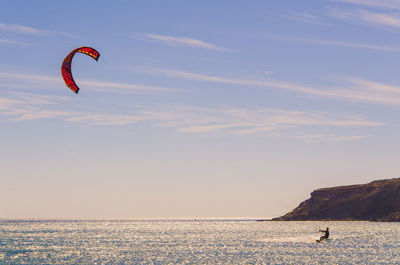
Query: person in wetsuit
x,y
326,236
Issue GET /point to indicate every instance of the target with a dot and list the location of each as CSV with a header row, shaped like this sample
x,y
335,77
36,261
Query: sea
x,y
194,241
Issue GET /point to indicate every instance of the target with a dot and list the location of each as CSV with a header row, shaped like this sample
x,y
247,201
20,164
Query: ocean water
x,y
196,242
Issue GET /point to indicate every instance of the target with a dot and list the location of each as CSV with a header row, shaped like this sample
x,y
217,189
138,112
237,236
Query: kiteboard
x,y
319,241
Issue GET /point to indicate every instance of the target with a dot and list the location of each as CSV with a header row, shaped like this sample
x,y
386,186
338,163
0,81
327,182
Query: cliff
x,y
375,201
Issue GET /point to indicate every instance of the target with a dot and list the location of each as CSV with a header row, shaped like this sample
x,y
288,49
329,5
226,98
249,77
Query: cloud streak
x,y
315,138
301,17
22,29
368,17
34,81
184,119
241,121
182,41
6,103
395,4
13,43
106,119
338,43
354,89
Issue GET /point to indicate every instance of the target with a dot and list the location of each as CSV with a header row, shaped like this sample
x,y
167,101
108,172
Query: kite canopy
x,y
66,66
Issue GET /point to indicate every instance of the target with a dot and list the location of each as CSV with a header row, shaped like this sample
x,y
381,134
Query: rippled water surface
x,y
196,242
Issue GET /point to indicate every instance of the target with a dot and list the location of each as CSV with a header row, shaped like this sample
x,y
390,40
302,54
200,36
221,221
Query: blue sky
x,y
194,109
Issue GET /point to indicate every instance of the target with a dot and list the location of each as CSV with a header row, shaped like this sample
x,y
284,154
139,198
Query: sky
x,y
194,108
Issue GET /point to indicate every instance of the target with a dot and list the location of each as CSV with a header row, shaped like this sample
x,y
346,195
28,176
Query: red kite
x,y
66,66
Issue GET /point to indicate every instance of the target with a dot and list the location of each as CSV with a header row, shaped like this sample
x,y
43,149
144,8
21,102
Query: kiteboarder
x,y
326,236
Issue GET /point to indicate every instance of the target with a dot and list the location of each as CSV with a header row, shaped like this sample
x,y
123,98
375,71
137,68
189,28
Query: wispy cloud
x,y
122,88
184,119
13,43
30,77
241,121
182,41
374,87
354,89
268,72
316,138
22,29
35,81
393,4
30,113
368,17
338,43
26,30
6,103
22,106
106,119
301,16
36,99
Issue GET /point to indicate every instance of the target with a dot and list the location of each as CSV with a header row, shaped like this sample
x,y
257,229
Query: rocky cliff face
x,y
375,201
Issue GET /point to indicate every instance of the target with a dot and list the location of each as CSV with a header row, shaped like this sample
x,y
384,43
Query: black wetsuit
x,y
326,234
